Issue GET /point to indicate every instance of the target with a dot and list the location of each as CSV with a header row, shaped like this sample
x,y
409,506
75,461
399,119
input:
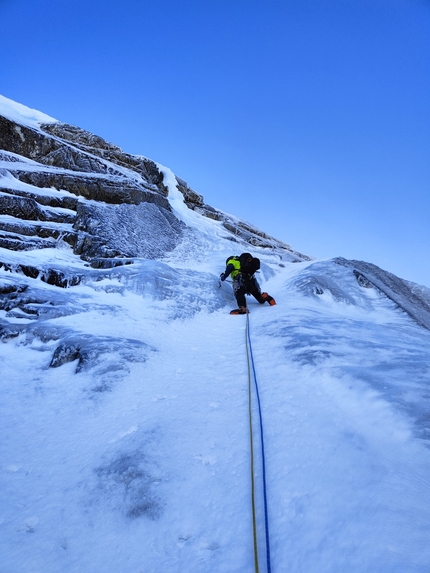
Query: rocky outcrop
x,y
97,146
91,351
78,169
112,190
60,184
125,231
240,229
58,277
411,298
68,147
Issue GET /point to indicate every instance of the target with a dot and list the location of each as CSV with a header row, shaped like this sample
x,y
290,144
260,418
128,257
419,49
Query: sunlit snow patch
x,y
23,114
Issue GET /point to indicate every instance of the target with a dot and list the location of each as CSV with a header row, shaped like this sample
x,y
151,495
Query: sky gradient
x,y
309,119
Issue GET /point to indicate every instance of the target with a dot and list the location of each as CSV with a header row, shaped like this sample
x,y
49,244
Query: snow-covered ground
x,y
135,456
140,461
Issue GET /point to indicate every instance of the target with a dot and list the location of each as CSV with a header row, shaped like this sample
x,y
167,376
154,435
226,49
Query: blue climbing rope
x,y
263,457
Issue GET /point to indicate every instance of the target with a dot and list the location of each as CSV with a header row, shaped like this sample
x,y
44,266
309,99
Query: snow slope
x,y
141,463
134,457
23,114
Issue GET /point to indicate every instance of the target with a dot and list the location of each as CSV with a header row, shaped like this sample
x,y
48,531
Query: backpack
x,y
246,263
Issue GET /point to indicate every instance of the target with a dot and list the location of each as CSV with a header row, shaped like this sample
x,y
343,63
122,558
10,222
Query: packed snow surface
x,y
139,460
23,114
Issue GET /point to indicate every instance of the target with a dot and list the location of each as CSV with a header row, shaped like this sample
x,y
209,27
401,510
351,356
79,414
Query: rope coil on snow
x,y
250,360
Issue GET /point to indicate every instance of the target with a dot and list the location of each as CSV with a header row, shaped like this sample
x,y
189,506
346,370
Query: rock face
x,y
111,231
62,184
67,147
408,296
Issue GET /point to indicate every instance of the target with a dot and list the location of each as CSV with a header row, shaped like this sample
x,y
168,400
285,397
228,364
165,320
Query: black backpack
x,y
248,263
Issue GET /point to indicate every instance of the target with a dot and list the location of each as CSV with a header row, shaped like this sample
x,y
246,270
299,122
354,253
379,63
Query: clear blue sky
x,y
308,118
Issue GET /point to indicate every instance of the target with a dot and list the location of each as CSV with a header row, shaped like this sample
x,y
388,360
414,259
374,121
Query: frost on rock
x,y
347,281
29,298
96,145
411,298
145,230
60,276
325,278
101,352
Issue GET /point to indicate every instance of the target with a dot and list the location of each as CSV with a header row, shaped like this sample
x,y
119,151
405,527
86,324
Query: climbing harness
x,y
251,370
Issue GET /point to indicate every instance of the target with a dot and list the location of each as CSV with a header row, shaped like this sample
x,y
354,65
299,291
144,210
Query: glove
x,y
222,276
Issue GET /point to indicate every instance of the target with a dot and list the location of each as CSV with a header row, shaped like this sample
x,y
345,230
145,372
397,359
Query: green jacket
x,y
233,267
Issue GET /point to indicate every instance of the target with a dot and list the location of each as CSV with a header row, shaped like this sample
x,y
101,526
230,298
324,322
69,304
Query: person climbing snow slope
x,y
242,271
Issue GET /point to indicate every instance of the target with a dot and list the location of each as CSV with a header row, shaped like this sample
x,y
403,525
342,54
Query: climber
x,y
242,271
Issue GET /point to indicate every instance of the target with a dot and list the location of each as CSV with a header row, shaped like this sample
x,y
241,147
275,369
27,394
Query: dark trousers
x,y
246,284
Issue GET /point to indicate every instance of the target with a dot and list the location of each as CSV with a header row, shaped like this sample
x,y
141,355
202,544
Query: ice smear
x,y
204,226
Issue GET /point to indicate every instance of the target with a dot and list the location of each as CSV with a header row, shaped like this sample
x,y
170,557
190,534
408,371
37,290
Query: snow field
x,y
173,414
153,473
348,480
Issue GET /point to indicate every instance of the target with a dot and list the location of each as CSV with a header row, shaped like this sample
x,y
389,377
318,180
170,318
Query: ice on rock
x,y
145,230
102,352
